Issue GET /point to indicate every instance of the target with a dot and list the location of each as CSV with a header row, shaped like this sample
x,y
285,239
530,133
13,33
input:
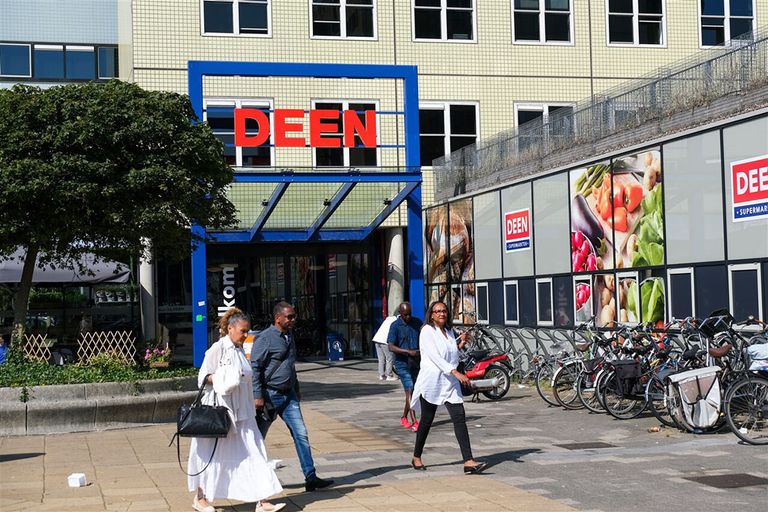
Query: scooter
x,y
489,372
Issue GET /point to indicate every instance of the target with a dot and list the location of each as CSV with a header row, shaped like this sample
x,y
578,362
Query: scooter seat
x,y
479,355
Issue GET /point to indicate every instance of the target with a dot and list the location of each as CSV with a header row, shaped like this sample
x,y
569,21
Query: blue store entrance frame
x,y
197,70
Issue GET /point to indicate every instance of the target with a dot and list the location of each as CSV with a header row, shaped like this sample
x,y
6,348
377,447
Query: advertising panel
x,y
517,230
591,233
652,301
462,260
749,189
436,244
604,288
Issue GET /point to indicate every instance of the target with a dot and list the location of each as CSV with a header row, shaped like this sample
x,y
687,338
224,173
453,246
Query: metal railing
x,y
621,116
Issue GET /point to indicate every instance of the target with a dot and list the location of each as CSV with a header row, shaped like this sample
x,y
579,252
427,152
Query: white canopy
x,y
103,271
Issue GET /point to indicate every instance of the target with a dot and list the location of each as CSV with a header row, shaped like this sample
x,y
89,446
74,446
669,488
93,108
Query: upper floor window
x,y
236,17
445,128
57,61
444,20
542,21
558,120
358,156
636,22
723,20
344,18
220,116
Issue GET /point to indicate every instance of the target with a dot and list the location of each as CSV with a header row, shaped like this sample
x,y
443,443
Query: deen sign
x,y
749,189
517,230
321,122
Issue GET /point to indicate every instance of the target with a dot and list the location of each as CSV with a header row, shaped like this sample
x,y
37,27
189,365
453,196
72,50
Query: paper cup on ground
x,y
76,480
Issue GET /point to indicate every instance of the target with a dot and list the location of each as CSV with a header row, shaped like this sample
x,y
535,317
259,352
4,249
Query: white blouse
x,y
232,379
439,357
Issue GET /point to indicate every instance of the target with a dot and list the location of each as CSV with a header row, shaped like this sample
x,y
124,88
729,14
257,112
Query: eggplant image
x,y
582,219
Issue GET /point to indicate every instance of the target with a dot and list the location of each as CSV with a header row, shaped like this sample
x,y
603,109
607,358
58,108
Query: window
x,y
49,61
445,128
745,292
343,18
558,120
357,156
541,21
237,17
481,293
544,302
108,67
444,20
681,293
15,60
80,63
511,304
636,22
220,116
723,20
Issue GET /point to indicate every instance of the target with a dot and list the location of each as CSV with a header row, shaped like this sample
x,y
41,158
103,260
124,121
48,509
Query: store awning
x,y
101,271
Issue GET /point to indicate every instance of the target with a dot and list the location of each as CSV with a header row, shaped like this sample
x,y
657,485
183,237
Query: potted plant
x,y
157,355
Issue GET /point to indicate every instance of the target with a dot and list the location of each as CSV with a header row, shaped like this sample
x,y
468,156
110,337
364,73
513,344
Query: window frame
x,y
636,27
444,25
235,20
345,150
539,321
487,320
542,26
543,107
343,24
515,283
726,24
29,59
742,267
445,107
259,103
681,271
584,279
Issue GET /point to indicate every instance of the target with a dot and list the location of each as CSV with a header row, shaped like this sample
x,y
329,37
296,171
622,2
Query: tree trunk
x,y
21,301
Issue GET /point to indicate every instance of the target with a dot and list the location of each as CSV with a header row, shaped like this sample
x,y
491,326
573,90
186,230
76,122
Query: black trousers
x,y
456,411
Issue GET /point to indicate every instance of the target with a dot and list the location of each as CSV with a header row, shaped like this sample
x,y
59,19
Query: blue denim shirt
x,y
405,336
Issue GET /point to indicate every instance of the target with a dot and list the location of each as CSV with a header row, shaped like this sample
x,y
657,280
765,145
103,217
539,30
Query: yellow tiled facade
x,y
492,71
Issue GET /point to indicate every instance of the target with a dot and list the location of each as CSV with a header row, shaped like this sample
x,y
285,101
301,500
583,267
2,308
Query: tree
x,y
103,168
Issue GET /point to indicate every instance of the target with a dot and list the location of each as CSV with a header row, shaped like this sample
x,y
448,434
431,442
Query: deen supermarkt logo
x,y
517,230
749,189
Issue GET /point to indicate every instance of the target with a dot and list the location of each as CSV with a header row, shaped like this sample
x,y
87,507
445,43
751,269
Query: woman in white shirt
x,y
238,470
439,383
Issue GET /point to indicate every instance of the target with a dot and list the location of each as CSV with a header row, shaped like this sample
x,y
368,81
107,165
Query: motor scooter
x,y
489,372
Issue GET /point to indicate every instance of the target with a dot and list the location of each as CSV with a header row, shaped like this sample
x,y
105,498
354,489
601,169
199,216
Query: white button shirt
x,y
439,357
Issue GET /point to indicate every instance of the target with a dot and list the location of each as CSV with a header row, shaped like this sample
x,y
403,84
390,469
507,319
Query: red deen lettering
x,y
320,122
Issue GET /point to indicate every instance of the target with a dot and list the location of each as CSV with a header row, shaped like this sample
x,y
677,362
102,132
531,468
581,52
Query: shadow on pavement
x,y
323,391
7,457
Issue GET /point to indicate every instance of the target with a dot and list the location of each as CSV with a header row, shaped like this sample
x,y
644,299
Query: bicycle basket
x,y
628,372
695,397
718,321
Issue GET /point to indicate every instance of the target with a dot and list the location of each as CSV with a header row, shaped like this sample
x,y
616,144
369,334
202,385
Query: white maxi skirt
x,y
239,469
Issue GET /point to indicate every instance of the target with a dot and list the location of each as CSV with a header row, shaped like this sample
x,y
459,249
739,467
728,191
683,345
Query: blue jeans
x,y
287,406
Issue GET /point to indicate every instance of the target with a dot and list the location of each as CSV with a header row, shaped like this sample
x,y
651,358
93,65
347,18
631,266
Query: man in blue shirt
x,y
403,341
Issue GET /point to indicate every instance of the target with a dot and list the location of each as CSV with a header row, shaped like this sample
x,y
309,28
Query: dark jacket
x,y
273,356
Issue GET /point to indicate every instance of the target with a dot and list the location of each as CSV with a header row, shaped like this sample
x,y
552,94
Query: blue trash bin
x,y
336,345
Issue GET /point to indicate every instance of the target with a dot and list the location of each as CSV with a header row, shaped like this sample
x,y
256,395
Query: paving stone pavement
x,y
353,422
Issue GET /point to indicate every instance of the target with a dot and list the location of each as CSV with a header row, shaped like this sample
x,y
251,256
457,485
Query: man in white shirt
x,y
382,349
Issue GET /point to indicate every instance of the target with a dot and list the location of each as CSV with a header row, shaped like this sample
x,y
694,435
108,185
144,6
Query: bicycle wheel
x,y
544,384
496,371
656,400
618,404
746,410
564,385
586,390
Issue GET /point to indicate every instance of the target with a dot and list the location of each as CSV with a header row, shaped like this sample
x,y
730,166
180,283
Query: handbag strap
x,y
178,455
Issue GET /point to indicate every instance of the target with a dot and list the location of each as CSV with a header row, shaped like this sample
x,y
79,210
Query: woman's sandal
x,y
475,470
420,467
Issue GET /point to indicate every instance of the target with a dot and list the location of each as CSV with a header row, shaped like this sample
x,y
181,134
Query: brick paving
x,y
353,421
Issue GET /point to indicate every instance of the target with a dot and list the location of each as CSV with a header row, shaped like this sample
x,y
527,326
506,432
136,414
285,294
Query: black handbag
x,y
198,420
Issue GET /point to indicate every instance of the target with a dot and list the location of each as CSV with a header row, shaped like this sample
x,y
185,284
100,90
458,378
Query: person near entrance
x,y
385,357
403,341
275,386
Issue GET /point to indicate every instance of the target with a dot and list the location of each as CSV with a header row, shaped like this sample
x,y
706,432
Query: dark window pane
x,y
620,29
431,121
511,303
545,301
556,5
745,294
712,36
459,142
459,24
649,6
713,22
221,119
527,4
326,29
427,3
526,26
359,22
217,17
326,13
557,27
482,303
359,2
524,116
49,63
329,157
741,29
680,291
460,3
620,6
649,33
107,62
427,24
362,157
463,120
253,18
257,157
81,65
713,7
431,147
14,60
230,153
741,7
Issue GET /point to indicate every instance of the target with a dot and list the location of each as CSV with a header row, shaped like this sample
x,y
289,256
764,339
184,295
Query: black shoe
x,y
421,467
475,470
316,483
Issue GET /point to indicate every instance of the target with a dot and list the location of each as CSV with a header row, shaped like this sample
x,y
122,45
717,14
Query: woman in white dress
x,y
239,469
439,383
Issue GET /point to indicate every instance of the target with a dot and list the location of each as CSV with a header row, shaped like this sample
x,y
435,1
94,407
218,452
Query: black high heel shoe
x,y
422,467
475,470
